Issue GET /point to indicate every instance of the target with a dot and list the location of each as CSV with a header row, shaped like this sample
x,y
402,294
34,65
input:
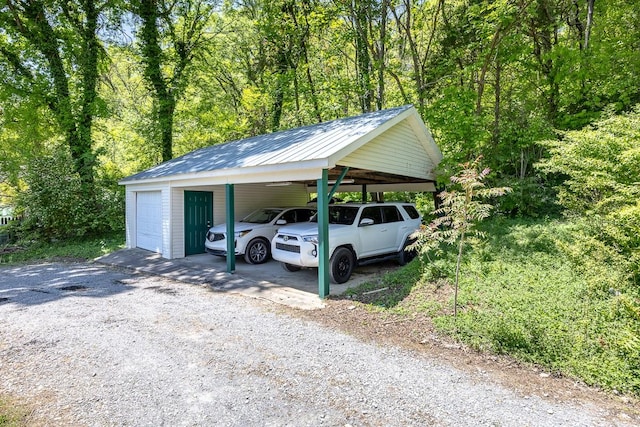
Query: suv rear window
x,y
411,211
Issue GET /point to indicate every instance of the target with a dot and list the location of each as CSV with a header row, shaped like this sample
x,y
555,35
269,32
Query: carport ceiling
x,y
357,176
390,147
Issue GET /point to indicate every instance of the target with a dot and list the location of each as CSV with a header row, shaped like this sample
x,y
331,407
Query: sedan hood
x,y
238,226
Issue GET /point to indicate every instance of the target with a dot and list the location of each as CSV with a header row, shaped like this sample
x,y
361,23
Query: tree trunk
x,y
544,33
496,106
587,30
151,58
305,52
381,53
360,17
85,156
34,26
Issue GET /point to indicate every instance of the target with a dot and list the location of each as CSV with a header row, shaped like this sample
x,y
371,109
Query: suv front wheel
x,y
341,265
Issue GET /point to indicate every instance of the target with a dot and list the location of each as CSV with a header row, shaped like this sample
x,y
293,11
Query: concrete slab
x,y
267,281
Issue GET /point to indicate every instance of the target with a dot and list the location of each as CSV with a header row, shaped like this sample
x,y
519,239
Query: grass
x,y
12,415
541,291
77,249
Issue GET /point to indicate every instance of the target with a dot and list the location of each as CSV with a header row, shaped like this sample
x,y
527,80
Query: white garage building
x,y
169,207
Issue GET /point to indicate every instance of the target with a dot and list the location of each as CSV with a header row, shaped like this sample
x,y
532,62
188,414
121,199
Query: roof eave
x,y
294,171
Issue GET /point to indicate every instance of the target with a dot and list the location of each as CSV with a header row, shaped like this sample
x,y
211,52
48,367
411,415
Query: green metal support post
x,y
231,232
336,184
323,235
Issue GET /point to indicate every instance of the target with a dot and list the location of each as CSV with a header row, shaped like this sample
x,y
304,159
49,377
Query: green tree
x,y
461,209
53,52
171,35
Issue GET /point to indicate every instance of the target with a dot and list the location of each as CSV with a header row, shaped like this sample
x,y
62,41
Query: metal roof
x,y
303,144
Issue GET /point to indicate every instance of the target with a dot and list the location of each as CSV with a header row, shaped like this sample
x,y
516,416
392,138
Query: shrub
x,y
601,164
530,197
52,201
56,205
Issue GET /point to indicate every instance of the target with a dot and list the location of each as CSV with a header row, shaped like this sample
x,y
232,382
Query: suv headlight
x,y
311,239
239,234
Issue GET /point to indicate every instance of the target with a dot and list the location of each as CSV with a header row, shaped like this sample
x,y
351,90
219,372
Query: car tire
x,y
341,265
290,267
406,256
258,251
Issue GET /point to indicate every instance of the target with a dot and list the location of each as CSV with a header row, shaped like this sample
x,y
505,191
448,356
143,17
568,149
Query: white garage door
x,y
149,220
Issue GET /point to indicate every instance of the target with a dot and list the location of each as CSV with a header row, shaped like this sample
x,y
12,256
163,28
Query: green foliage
x,y
602,166
529,197
543,291
460,212
553,295
56,205
459,131
53,204
602,163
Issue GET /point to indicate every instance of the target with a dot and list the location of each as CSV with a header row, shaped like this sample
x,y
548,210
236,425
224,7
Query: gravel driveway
x,y
91,345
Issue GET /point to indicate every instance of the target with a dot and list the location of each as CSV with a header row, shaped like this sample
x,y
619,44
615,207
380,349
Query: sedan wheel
x,y
257,251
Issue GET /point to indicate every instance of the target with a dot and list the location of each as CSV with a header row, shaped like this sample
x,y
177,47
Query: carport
x,y
170,205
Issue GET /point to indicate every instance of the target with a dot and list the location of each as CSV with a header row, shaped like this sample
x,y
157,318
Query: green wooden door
x,y
198,217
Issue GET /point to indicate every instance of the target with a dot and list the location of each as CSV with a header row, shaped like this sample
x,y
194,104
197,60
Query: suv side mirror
x,y
365,221
281,222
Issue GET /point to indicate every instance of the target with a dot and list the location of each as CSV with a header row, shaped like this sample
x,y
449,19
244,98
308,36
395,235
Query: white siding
x,y
177,227
130,219
397,151
167,219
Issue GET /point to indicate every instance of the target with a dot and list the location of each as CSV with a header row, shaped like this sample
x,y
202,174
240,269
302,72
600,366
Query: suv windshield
x,y
340,215
262,216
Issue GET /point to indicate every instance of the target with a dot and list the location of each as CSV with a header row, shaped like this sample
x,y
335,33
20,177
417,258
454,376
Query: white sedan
x,y
253,234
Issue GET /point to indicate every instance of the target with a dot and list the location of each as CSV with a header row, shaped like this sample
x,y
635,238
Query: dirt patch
x,y
417,333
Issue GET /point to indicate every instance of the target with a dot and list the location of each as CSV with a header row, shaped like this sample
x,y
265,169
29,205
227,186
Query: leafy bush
x,y
530,197
52,201
56,205
601,163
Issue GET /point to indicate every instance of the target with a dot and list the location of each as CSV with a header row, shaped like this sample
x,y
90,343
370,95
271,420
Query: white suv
x,y
358,234
254,232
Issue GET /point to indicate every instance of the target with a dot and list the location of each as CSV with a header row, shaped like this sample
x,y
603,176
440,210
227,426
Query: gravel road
x,y
90,345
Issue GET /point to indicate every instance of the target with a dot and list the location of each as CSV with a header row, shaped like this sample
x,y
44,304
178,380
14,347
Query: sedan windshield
x,y
341,214
262,216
